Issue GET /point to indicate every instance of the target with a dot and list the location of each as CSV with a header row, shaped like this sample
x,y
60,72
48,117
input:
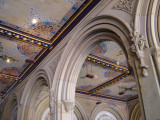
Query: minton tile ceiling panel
x,y
100,73
5,84
124,89
42,18
13,61
115,88
110,51
13,55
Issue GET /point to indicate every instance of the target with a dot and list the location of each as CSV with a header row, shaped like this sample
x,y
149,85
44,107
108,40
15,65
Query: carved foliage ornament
x,y
125,5
138,47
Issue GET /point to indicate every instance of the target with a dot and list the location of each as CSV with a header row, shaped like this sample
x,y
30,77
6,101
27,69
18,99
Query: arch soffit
x,y
10,106
80,111
153,14
30,84
136,112
96,30
41,107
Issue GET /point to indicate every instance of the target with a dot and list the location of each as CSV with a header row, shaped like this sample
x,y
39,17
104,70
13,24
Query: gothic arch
x,y
35,95
95,31
136,113
12,103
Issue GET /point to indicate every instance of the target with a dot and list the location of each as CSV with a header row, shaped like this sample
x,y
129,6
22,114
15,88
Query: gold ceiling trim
x,y
108,64
9,76
72,21
22,37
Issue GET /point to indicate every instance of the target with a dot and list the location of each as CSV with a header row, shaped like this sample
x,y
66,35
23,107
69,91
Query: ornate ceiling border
x,y
107,63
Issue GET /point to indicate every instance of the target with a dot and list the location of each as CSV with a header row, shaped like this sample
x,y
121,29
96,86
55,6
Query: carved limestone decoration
x,y
125,5
138,47
54,64
52,103
69,105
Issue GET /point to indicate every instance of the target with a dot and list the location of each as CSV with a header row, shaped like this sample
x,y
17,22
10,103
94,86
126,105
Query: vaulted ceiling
x,y
31,29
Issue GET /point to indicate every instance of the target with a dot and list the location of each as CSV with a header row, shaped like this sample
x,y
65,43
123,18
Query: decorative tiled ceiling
x,y
30,30
41,18
101,73
14,54
105,74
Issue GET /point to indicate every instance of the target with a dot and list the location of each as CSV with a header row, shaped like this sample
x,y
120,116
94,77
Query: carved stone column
x,y
52,104
146,77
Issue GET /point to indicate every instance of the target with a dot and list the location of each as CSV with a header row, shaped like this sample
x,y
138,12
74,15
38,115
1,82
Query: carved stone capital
x,y
138,47
69,105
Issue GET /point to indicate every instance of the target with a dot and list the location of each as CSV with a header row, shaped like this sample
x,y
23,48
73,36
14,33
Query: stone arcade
x,y
79,60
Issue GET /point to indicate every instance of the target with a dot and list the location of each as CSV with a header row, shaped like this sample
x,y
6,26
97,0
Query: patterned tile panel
x,y
101,75
14,54
124,89
112,79
40,18
110,51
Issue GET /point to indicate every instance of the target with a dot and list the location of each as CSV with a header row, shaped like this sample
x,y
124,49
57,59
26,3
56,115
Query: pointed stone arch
x,y
11,106
95,31
30,101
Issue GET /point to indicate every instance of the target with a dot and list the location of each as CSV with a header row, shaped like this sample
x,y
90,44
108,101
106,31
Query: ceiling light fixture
x,y
96,76
90,76
8,60
29,60
34,21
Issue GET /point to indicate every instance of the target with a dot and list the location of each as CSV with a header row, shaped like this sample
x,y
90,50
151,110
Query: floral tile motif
x,y
42,23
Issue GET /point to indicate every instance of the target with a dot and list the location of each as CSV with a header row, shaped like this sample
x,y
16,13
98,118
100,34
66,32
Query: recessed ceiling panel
x,y
111,51
101,74
42,18
14,55
5,84
124,89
